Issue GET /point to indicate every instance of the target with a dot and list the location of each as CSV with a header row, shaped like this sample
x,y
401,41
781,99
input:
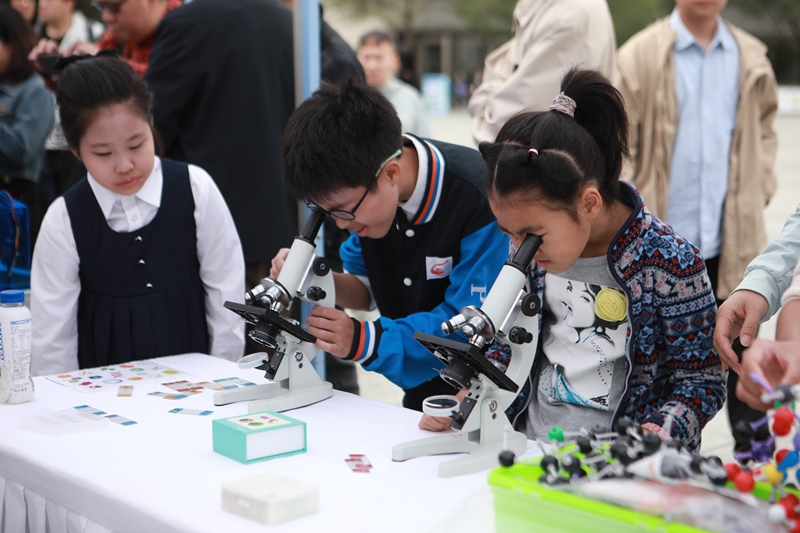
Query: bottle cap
x,y
12,297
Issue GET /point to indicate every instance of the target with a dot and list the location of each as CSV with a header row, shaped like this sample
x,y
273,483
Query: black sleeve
x,y
173,73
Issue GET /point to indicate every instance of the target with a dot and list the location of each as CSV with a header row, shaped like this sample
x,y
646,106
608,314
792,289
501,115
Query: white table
x,y
161,475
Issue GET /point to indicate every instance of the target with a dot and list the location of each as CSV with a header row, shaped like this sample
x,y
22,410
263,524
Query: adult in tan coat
x,y
679,83
647,82
550,37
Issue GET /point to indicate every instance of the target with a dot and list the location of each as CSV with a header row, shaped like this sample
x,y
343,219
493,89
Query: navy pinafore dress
x,y
141,293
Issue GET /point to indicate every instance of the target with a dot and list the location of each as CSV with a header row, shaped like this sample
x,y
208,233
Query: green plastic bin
x,y
521,503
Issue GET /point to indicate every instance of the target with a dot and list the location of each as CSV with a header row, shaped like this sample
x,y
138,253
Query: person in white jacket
x,y
550,37
774,362
62,24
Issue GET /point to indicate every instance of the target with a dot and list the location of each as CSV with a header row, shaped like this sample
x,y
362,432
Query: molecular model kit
x,y
641,478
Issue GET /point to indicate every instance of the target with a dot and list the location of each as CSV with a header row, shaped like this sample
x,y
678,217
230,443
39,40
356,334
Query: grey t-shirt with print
x,y
579,376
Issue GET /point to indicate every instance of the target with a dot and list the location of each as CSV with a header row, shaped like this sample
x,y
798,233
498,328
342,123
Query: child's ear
x,y
76,154
591,202
392,171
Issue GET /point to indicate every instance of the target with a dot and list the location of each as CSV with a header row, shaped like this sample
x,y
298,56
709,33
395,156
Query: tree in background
x,y
630,16
493,17
398,14
784,15
781,25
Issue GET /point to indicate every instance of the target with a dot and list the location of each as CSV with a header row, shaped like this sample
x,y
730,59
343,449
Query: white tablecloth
x,y
161,475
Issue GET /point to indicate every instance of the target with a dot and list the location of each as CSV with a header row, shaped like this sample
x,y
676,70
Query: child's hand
x,y
656,430
738,316
776,363
332,328
277,263
434,423
440,423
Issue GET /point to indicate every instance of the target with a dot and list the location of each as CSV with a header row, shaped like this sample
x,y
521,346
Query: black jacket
x,y
222,74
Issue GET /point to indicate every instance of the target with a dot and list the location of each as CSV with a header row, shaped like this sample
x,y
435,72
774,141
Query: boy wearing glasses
x,y
423,241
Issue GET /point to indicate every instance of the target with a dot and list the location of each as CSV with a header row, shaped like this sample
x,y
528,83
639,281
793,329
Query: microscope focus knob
x,y
321,267
531,304
519,335
315,294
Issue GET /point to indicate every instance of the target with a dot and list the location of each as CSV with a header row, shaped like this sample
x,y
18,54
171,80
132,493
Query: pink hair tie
x,y
534,151
564,104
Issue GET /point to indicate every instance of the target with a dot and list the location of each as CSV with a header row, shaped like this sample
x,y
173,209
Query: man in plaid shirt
x,y
131,25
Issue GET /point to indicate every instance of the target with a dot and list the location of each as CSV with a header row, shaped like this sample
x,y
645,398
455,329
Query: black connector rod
x,y
314,222
526,251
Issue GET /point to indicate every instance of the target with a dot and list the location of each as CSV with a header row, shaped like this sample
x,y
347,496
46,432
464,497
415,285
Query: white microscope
x,y
289,349
510,315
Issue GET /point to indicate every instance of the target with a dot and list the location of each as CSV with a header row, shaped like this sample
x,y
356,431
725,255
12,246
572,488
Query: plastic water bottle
x,y
16,385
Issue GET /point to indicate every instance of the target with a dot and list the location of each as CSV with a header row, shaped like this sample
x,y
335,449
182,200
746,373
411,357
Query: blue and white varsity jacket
x,y
672,367
427,268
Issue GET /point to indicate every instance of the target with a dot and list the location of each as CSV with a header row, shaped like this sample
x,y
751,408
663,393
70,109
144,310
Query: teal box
x,y
258,436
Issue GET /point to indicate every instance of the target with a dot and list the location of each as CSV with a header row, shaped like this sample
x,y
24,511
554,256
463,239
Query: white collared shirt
x,y
411,206
56,286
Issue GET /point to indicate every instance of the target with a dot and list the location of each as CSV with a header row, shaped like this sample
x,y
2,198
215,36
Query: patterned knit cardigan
x,y
672,367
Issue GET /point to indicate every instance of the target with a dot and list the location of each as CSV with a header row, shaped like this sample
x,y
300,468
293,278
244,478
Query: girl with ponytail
x,y
628,312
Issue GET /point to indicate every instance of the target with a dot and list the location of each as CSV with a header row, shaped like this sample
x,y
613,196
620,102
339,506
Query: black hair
x,y
87,85
16,33
376,38
337,139
571,152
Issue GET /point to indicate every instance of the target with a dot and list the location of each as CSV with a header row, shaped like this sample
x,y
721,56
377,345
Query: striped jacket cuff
x,y
366,336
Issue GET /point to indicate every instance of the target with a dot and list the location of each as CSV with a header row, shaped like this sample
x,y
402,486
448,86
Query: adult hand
x,y
81,48
776,363
738,316
278,262
43,47
333,330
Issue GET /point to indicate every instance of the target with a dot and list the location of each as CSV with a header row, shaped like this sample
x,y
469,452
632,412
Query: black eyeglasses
x,y
343,214
112,7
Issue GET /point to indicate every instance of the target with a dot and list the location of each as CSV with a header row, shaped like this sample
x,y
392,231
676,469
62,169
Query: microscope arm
x,y
289,349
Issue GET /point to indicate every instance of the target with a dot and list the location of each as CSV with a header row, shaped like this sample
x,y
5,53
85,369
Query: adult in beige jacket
x,y
550,37
647,83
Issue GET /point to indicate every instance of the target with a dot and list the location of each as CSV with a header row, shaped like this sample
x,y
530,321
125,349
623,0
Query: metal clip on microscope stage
x,y
288,348
509,315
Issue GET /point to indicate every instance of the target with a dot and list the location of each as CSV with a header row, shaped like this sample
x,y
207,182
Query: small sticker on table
x,y
209,385
183,386
125,391
358,462
166,396
195,412
89,409
120,420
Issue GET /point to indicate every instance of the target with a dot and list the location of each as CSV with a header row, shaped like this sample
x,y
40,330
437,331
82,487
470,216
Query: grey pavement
x,y
717,440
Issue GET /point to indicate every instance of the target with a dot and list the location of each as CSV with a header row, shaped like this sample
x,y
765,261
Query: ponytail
x,y
600,110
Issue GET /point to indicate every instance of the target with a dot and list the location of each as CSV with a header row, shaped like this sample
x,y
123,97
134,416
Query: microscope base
x,y
274,397
285,400
245,394
478,458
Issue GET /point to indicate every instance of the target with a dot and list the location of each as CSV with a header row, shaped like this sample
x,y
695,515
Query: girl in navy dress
x,y
137,259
